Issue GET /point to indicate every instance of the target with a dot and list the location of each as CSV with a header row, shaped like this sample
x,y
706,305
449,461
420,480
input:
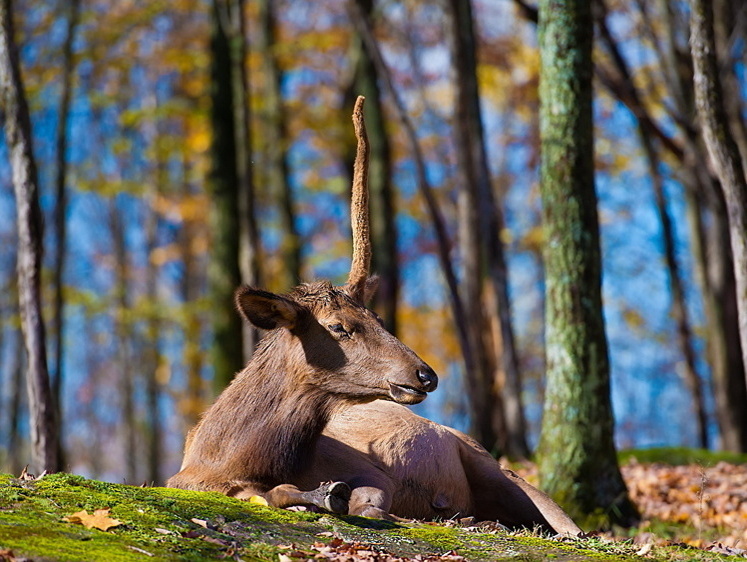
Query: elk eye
x,y
338,329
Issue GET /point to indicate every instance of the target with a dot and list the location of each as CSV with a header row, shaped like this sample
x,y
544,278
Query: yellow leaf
x,y
99,520
258,499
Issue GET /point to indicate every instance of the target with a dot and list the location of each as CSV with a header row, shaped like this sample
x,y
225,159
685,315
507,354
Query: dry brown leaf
x,y
99,520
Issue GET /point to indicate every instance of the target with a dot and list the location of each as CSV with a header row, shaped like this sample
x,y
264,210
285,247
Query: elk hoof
x,y
332,497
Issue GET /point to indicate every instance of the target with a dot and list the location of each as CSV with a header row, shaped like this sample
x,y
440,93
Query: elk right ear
x,y
267,310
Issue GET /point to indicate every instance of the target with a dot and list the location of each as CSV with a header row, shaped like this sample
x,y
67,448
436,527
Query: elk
x,y
321,401
398,463
324,351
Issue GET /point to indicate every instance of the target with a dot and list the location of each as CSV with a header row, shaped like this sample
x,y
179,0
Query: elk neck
x,y
270,415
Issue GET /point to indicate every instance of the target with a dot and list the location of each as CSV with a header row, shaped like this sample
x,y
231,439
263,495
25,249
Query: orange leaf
x,y
99,520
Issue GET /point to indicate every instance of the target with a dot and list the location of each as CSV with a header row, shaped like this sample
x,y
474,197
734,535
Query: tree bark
x,y
224,273
44,435
277,141
60,213
123,333
576,454
684,333
483,234
721,147
362,25
385,261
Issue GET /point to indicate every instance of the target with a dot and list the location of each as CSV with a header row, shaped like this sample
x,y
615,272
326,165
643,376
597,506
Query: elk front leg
x,y
330,496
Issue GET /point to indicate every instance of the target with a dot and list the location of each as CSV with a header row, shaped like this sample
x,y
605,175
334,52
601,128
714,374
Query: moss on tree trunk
x,y
576,451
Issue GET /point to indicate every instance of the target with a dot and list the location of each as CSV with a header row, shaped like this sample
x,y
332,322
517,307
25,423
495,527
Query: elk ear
x,y
370,288
267,310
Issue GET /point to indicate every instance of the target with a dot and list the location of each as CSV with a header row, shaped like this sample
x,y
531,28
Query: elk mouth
x,y
403,394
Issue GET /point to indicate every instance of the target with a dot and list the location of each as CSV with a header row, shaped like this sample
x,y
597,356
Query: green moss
x,y
159,522
677,456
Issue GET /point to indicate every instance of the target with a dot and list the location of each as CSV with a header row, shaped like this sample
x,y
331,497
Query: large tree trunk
x,y
577,458
44,435
722,149
224,274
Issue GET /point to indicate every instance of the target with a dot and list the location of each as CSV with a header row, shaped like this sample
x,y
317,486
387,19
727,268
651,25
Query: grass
x,y
164,524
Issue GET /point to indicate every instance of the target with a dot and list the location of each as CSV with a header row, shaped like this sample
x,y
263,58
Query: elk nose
x,y
428,378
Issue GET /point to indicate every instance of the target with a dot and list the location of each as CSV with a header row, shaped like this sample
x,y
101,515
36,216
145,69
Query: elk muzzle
x,y
426,381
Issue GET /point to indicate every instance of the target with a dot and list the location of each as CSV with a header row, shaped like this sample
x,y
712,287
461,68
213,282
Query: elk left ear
x,y
363,291
370,288
267,310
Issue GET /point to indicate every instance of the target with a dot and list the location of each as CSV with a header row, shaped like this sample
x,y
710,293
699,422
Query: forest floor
x,y
692,509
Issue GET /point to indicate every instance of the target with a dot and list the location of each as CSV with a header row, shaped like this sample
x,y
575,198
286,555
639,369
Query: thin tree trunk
x,y
60,211
460,319
44,435
277,140
249,247
224,272
487,226
192,404
15,409
383,228
711,248
123,343
576,454
721,147
151,354
679,306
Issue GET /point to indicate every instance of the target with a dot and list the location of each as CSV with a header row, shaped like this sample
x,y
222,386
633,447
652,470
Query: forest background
x,y
128,138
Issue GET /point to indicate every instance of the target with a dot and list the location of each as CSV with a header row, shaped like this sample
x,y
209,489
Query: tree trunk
x,y
383,228
679,306
224,274
277,141
124,355
485,230
44,436
151,348
577,458
60,210
711,249
249,244
721,147
363,27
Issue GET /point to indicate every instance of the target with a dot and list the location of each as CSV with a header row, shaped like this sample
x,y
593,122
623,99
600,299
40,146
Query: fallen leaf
x,y
258,499
99,520
140,550
284,558
26,476
645,549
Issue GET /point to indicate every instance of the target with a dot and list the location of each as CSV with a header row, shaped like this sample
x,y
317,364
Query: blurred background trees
x,y
184,150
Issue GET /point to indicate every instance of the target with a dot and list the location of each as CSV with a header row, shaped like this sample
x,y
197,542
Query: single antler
x,y
359,219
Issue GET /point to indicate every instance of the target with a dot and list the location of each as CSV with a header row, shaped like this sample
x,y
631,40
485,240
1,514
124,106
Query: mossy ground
x,y
157,525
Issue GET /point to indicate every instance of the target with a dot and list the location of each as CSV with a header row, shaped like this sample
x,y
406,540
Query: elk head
x,y
344,345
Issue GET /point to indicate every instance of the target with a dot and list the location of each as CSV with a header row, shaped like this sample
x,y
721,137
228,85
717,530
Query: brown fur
x,y
400,463
264,426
